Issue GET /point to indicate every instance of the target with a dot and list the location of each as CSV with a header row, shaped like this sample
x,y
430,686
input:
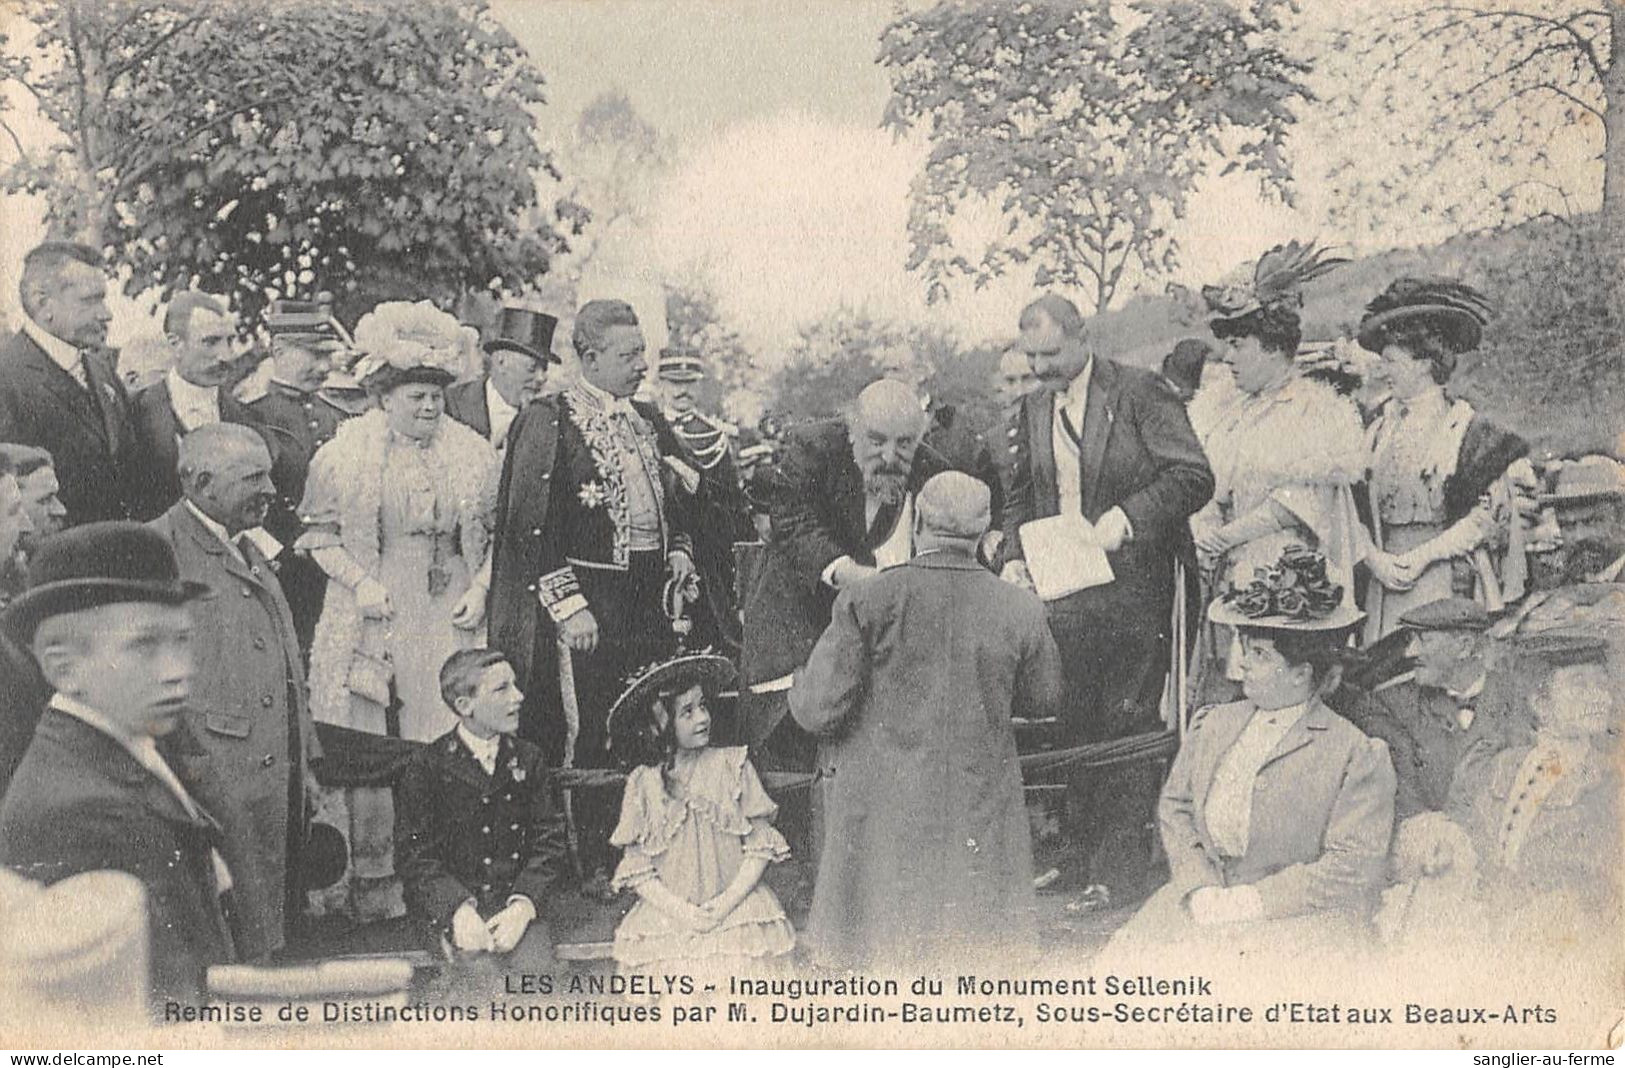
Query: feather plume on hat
x,y
1277,278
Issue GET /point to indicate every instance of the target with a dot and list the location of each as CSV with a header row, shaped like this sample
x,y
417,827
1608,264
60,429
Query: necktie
x,y
881,526
1071,431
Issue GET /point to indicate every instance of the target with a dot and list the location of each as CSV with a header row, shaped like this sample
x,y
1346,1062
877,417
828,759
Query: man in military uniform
x,y
592,522
1454,701
478,842
304,343
721,509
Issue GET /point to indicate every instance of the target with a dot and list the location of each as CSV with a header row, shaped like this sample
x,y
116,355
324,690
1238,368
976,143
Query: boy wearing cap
x,y
106,617
478,841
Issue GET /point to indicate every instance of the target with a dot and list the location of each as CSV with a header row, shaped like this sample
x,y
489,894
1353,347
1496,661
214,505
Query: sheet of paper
x,y
1064,556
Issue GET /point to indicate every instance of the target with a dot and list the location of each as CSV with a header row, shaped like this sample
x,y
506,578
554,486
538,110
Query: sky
x,y
784,196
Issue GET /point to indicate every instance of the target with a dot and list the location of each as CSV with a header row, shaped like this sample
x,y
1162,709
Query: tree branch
x,y
22,153
1550,87
151,48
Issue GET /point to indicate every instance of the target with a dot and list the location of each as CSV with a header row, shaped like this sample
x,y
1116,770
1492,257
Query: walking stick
x,y
572,731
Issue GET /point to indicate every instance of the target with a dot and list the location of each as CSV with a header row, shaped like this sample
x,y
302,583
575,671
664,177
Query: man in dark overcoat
x,y
59,389
911,690
248,709
106,618
1113,444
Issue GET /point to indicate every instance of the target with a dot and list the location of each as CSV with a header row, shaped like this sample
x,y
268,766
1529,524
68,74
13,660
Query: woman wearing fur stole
x,y
397,512
1286,449
1447,485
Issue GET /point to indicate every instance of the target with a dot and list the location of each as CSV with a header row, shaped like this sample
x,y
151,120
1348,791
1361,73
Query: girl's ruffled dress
x,y
695,845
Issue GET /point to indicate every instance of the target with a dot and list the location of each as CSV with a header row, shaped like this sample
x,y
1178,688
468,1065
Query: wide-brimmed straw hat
x,y
629,711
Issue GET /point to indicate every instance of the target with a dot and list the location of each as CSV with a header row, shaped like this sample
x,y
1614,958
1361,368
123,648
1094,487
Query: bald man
x,y
926,854
248,710
846,511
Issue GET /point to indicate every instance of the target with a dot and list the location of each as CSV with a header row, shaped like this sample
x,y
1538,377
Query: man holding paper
x,y
1103,463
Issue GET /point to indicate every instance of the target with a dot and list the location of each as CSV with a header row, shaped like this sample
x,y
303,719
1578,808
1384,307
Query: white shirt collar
x,y
496,403
81,711
484,749
1076,394
1283,717
215,528
194,405
63,354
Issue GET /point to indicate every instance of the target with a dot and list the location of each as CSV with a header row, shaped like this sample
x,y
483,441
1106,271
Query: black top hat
x,y
93,565
525,331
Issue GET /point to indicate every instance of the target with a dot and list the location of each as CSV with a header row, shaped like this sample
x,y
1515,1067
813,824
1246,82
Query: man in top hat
x,y
107,619
194,392
58,387
305,342
593,521
911,691
516,365
248,708
1455,699
722,511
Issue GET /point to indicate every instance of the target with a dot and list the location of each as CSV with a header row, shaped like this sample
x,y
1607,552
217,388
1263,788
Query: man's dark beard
x,y
885,486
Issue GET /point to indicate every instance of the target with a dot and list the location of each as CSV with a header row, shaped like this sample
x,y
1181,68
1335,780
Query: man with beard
x,y
1111,444
248,710
191,394
844,510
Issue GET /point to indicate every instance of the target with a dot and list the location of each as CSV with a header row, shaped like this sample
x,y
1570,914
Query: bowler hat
x,y
524,331
1447,613
93,565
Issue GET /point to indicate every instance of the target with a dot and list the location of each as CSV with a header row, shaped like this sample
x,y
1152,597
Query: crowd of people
x,y
441,625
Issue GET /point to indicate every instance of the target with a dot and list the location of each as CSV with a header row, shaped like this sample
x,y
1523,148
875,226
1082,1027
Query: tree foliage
x,y
1488,112
367,147
1086,125
694,323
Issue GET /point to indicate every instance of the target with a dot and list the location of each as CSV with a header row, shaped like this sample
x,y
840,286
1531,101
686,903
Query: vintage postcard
x,y
870,523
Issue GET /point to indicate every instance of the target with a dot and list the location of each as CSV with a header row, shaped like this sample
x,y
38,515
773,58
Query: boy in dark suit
x,y
478,841
106,617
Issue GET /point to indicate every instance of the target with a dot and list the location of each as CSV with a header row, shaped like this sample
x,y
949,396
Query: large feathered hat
x,y
1276,279
1456,311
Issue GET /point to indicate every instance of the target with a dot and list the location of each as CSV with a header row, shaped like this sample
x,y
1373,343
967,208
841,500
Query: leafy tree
x,y
374,148
1086,125
1483,109
834,357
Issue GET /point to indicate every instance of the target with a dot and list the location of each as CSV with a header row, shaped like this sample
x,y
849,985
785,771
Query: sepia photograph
x,y
716,524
